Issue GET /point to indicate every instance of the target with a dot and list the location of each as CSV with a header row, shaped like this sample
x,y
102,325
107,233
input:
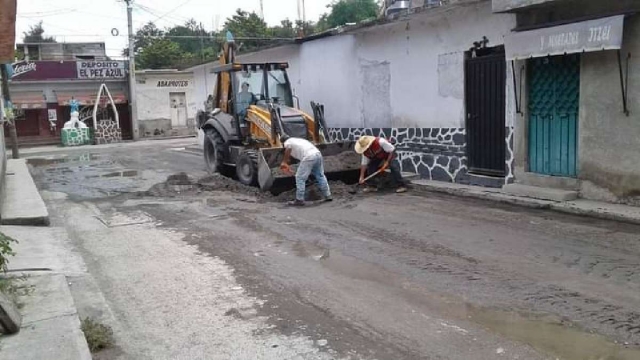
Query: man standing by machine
x,y
378,155
311,162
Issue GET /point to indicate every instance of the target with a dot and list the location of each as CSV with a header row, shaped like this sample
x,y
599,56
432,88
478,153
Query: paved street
x,y
202,268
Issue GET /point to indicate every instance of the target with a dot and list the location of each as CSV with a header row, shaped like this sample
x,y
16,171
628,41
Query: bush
x,y
5,250
98,336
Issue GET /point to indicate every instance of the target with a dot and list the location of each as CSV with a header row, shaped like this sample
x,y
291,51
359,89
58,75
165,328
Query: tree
x,y
247,25
146,35
160,54
284,30
192,38
348,11
35,35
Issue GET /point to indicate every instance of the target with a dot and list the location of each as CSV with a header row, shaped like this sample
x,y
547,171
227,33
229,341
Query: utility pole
x,y
261,10
133,108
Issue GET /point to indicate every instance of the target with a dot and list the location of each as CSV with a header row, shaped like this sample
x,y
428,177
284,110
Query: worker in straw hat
x,y
378,153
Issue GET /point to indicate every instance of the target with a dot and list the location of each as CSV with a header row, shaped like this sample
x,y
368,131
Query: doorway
x,y
485,89
178,102
554,94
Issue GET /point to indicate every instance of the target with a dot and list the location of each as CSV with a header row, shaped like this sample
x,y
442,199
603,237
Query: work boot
x,y
296,202
328,198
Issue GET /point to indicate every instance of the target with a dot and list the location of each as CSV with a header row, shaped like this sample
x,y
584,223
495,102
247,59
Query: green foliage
x,y
160,54
36,35
188,44
146,35
348,11
248,25
284,30
99,336
175,47
5,250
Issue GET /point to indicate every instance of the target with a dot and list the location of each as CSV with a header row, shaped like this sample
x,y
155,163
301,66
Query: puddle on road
x,y
547,334
126,173
551,336
38,162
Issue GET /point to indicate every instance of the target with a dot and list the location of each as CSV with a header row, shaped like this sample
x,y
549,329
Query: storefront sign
x,y
43,70
23,68
100,69
593,35
7,30
172,83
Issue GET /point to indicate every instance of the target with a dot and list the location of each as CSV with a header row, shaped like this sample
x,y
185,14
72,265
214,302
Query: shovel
x,y
355,189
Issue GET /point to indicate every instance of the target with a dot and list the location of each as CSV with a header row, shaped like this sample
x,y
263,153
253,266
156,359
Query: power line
x,y
222,38
155,13
172,10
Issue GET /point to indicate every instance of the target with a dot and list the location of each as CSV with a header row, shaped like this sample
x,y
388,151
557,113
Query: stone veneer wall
x,y
107,132
433,153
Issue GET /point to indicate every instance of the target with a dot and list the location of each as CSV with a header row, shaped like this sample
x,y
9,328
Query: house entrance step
x,y
541,193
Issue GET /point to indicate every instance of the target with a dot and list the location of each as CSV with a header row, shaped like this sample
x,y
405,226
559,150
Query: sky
x,y
87,20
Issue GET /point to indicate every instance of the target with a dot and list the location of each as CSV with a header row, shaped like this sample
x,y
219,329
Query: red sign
x,y
44,70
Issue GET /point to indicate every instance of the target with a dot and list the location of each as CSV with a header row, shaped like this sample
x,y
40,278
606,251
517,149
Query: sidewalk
x,y
583,207
44,258
22,204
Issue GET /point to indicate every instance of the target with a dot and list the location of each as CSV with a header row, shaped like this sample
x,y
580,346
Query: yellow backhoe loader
x,y
253,105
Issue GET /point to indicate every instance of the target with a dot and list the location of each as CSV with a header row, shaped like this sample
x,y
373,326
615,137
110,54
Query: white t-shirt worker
x,y
311,162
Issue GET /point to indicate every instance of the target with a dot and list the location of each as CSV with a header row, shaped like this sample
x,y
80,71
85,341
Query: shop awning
x,y
87,98
593,35
28,100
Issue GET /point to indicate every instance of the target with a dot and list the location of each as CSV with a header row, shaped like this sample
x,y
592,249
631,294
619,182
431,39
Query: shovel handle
x,y
372,175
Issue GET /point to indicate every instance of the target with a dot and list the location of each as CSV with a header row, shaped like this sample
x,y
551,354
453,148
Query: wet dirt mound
x,y
177,184
339,190
217,182
182,184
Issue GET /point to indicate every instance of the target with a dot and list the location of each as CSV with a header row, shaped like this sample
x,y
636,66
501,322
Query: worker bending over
x,y
310,163
378,154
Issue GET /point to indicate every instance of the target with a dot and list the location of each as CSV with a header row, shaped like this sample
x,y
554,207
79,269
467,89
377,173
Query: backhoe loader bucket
x,y
340,163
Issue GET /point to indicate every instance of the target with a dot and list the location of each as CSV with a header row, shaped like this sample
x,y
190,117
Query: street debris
x,y
184,185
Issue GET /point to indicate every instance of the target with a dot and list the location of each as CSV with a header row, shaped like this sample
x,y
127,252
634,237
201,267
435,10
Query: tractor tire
x,y
214,152
247,168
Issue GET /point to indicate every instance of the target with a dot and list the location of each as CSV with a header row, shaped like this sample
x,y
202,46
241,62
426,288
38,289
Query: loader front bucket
x,y
340,163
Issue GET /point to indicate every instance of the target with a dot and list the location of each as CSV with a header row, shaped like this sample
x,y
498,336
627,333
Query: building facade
x,y
577,126
165,103
41,91
405,79
484,92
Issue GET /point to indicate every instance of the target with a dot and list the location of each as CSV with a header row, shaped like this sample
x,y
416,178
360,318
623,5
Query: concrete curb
x,y
593,209
22,203
51,328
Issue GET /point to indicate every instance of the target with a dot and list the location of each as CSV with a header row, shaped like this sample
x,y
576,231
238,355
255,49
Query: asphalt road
x,y
216,271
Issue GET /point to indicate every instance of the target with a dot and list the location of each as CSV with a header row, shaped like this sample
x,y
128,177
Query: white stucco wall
x,y
153,100
328,76
426,60
408,73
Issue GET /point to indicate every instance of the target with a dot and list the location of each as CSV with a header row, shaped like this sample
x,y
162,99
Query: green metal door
x,y
554,93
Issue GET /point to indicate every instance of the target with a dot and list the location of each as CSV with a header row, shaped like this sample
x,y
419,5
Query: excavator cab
x,y
253,106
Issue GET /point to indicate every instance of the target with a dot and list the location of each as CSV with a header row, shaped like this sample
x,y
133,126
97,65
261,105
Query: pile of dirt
x,y
343,161
182,184
339,190
218,182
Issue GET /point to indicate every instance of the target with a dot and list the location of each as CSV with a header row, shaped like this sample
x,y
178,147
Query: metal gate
x,y
554,94
485,82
